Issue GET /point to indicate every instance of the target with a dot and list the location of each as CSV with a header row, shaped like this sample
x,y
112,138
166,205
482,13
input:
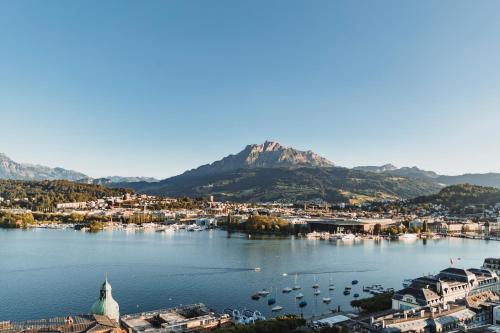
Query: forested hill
x,y
47,193
463,195
332,184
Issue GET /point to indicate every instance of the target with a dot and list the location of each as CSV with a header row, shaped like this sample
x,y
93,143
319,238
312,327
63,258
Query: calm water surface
x,y
45,273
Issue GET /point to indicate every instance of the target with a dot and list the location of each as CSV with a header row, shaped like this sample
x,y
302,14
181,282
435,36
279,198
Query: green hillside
x,y
463,195
332,184
46,193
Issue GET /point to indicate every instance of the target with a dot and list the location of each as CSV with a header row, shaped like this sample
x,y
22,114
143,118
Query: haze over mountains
x,y
23,171
10,169
272,172
482,179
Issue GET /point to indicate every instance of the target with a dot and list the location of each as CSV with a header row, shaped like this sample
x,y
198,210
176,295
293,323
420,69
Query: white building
x,y
496,315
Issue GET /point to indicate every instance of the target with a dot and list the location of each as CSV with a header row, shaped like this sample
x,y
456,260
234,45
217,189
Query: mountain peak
x,y
270,154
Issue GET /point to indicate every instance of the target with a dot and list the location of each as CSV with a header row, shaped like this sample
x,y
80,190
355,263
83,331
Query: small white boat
x,y
407,237
264,292
348,237
313,235
317,292
286,290
277,308
299,296
327,299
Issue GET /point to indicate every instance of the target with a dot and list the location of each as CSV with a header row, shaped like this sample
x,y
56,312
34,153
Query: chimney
x,y
383,323
372,320
422,313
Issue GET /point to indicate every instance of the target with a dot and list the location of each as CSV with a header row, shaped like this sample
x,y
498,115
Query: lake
x,y
47,273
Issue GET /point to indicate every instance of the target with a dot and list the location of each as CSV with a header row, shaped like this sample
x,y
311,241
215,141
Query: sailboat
x,y
328,299
276,308
317,292
271,300
299,296
315,285
331,286
296,286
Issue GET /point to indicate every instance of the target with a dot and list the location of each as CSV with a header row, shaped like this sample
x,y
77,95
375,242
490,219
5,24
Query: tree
x,y
425,226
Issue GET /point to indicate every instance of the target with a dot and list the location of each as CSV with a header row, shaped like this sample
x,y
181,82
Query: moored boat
x,y
264,292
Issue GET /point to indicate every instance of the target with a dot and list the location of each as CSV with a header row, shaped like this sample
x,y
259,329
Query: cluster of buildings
x,y
366,219
454,300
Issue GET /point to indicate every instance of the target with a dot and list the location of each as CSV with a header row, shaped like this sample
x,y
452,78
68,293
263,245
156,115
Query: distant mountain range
x,y
116,179
24,171
272,172
482,179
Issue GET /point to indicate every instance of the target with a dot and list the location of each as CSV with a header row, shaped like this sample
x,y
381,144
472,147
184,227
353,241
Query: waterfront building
x,y
357,225
106,305
189,318
69,324
206,222
71,205
417,223
493,264
496,315
450,285
472,314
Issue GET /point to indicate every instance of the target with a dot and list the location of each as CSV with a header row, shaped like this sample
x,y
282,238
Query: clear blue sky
x,y
156,87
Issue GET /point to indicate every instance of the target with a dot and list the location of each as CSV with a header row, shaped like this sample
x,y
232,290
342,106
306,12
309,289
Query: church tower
x,y
106,305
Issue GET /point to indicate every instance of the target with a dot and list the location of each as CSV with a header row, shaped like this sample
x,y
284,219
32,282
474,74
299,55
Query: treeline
x,y
262,224
39,195
373,304
463,195
69,218
9,220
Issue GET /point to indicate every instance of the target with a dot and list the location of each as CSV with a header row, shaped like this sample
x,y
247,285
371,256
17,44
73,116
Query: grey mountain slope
x,y
10,169
23,171
268,155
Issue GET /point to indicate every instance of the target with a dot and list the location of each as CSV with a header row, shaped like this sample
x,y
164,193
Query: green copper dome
x,y
106,305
